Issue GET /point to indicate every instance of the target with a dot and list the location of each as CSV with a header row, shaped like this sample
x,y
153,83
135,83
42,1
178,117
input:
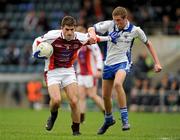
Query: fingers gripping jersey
x,y
89,59
120,52
65,52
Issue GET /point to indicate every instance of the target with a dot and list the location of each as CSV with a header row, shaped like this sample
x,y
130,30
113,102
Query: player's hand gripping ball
x,y
44,50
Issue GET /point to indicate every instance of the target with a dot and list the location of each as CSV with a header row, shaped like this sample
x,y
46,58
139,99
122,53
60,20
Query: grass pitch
x,y
25,124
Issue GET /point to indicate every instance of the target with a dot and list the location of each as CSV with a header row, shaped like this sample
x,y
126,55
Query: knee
x,y
74,102
105,98
118,85
56,101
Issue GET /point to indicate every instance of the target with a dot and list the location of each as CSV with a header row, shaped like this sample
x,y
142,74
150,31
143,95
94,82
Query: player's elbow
x,y
148,44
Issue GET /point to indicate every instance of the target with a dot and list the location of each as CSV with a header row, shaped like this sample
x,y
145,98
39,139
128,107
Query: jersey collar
x,y
126,28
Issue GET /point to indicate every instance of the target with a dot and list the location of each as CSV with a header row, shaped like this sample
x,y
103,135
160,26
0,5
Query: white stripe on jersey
x,y
117,53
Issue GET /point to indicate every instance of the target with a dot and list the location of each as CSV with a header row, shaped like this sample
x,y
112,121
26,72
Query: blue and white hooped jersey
x,y
120,52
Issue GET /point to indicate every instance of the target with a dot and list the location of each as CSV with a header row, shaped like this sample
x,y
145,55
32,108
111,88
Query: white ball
x,y
46,49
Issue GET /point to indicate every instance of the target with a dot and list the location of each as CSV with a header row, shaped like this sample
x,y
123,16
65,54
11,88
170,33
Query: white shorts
x,y
61,76
85,80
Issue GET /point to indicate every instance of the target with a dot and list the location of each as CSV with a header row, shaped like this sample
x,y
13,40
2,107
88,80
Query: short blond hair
x,y
120,11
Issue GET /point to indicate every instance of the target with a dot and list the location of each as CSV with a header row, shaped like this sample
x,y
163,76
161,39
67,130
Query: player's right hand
x,y
92,41
92,35
114,36
36,55
157,68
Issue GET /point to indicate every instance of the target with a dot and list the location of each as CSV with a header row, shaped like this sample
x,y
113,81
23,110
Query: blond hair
x,y
120,11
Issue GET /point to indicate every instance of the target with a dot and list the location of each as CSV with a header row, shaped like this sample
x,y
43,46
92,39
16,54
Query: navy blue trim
x,y
146,41
132,42
129,29
128,53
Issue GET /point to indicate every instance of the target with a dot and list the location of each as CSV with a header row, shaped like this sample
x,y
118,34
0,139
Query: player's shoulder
x,y
53,33
138,32
104,26
136,28
106,22
81,36
50,35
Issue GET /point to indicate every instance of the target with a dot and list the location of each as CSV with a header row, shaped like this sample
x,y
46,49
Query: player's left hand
x,y
36,55
114,36
157,68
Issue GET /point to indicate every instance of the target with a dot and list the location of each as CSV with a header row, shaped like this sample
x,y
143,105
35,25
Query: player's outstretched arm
x,y
111,37
157,66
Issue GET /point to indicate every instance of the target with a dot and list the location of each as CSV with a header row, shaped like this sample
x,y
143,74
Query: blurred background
x,y
21,76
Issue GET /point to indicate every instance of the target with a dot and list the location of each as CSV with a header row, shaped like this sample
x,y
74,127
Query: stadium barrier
x,y
161,101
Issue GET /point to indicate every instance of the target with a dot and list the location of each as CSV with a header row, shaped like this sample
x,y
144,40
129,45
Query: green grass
x,y
25,124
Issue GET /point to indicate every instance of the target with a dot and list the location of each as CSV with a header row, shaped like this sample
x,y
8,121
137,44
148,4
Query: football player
x,y
118,62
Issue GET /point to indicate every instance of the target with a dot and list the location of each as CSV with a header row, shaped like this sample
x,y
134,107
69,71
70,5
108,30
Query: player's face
x,y
120,21
68,32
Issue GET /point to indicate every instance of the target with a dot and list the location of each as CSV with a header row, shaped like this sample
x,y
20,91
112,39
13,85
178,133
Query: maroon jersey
x,y
64,52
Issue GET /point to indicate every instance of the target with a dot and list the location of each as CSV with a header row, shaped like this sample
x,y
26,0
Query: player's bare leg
x,y
82,102
121,97
55,98
92,93
107,86
72,94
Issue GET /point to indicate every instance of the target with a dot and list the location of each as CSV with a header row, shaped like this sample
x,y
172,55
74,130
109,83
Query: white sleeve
x,y
49,37
103,38
103,27
36,42
97,54
141,35
82,37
